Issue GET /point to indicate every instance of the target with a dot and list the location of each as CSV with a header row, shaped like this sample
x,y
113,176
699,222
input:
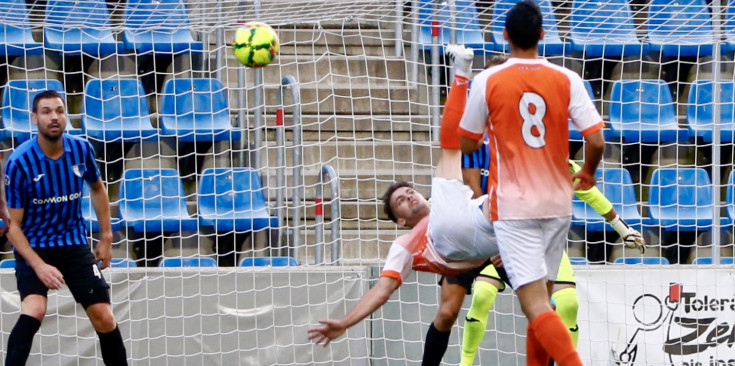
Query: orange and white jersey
x,y
415,250
525,105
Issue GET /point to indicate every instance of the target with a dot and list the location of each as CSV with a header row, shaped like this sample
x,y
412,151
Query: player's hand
x,y
329,330
497,261
634,239
583,180
103,251
50,276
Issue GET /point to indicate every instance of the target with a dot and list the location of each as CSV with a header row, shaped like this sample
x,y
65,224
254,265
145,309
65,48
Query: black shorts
x,y
77,265
466,279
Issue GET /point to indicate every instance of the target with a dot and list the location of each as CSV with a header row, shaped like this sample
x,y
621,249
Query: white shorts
x,y
532,249
457,226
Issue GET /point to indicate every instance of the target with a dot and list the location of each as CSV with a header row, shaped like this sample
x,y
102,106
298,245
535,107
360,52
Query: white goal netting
x,y
293,157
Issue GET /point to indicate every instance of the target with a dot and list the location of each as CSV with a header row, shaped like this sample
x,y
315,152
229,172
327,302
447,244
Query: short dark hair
x,y
387,208
48,94
524,24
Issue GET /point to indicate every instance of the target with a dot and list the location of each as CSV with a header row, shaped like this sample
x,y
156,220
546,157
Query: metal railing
x,y
336,216
289,82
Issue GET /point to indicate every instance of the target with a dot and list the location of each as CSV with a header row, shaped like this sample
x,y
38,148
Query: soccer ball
x,y
256,44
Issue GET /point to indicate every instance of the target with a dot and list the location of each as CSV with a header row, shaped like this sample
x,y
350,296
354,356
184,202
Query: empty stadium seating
x,y
681,199
116,110
16,38
79,27
468,30
188,262
641,260
549,46
578,261
233,199
617,186
17,103
7,263
152,200
708,260
269,261
196,110
158,26
604,28
680,28
729,25
700,110
122,263
730,197
644,110
90,216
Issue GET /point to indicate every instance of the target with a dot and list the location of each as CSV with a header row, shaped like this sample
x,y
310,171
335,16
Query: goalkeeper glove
x,y
632,238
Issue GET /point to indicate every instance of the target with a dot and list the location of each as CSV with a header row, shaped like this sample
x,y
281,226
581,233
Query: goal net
x,y
245,202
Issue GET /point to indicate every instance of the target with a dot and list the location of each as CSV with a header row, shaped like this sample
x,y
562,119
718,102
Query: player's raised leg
x,y
450,163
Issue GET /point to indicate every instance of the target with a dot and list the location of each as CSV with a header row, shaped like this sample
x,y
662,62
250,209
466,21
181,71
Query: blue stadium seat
x,y
233,199
680,28
641,260
681,199
549,46
90,216
160,26
17,103
196,110
617,186
468,30
729,26
644,110
75,27
188,262
708,260
269,261
700,105
16,38
604,28
122,263
7,263
578,261
152,200
730,199
115,110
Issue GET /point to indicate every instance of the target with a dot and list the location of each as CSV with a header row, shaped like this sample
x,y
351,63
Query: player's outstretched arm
x,y
331,329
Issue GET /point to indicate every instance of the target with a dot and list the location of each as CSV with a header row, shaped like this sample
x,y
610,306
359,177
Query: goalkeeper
x,y
490,281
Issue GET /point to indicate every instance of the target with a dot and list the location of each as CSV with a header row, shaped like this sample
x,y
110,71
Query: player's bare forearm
x,y
593,150
468,145
4,213
472,178
371,301
101,204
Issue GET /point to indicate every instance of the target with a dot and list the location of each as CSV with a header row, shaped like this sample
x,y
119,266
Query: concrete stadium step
x,y
364,155
358,247
366,127
326,68
324,98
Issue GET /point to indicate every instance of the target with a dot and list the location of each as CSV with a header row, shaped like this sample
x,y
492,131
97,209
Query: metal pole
x,y
258,112
280,170
219,35
452,35
289,82
435,77
414,42
336,216
242,114
399,28
716,143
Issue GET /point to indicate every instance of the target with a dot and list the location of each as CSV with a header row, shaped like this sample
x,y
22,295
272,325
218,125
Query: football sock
x,y
536,355
555,339
453,110
483,298
21,340
113,348
567,305
435,346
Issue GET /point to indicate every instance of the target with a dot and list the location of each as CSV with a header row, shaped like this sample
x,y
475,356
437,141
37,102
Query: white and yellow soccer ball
x,y
256,44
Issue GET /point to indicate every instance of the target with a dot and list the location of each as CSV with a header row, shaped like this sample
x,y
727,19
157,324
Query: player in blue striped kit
x,y
44,178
